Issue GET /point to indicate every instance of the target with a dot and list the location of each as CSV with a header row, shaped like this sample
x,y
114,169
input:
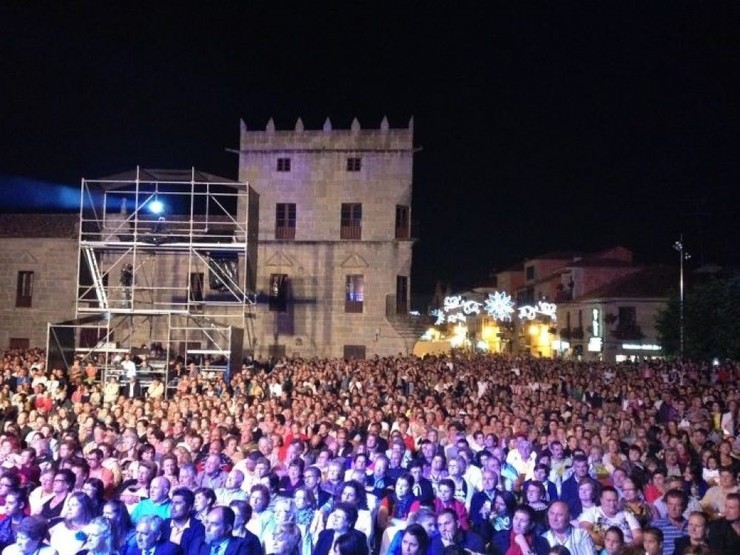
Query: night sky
x,y
575,126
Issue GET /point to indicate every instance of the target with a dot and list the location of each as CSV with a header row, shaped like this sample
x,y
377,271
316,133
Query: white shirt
x,y
577,541
622,520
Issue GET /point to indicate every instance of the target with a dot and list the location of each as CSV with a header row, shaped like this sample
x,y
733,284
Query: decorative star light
x,y
440,317
499,306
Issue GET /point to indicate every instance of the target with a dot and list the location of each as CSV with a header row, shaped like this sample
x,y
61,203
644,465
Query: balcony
x,y
284,233
571,333
628,332
352,232
402,232
354,307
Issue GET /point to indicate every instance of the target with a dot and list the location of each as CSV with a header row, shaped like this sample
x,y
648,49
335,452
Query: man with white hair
x,y
523,458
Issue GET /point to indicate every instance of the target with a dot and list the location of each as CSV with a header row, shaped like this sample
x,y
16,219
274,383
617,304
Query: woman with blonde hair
x,y
99,538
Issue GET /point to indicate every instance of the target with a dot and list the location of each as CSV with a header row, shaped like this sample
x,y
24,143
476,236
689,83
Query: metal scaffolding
x,y
167,264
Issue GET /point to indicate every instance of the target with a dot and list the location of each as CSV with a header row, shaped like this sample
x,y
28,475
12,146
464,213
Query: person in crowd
x,y
43,492
561,531
212,475
259,500
284,539
521,535
652,541
395,509
674,525
219,539
99,538
150,539
64,536
30,537
633,503
414,540
232,489
713,502
242,515
158,503
124,532
534,497
341,522
608,515
659,505
724,533
481,505
95,490
308,519
64,481
16,504
204,500
451,533
613,541
698,524
348,544
132,491
182,527
96,469
570,487
446,500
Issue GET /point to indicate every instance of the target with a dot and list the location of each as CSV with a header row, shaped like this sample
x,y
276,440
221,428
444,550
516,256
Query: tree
x,y
711,321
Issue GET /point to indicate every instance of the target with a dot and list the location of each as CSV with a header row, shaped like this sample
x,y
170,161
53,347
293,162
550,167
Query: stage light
x,y
156,206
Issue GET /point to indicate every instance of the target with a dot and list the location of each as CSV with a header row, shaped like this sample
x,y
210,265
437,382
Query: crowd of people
x,y
399,455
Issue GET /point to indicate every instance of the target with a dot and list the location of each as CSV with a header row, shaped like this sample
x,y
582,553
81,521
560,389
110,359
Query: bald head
x,y
159,489
558,516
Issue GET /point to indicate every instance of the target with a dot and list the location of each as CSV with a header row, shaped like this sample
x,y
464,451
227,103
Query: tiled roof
x,y
650,282
39,225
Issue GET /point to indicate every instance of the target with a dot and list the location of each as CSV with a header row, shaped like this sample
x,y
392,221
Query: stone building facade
x,y
335,245
38,273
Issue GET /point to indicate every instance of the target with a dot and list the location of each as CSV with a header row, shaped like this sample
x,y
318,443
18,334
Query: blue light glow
x,y
156,207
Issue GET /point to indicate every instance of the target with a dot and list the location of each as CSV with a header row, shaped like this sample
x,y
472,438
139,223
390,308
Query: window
x,y
22,343
285,221
529,273
278,292
351,223
354,164
196,287
402,294
354,351
355,293
283,164
402,222
24,292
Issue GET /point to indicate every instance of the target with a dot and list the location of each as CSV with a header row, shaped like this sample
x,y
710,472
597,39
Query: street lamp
x,y
682,255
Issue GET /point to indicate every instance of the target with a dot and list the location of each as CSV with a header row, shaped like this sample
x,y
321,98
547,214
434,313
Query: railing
x,y
353,306
282,232
395,306
628,332
351,232
402,232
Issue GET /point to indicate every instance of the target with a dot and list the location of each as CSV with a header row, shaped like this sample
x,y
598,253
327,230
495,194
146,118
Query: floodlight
x,y
156,206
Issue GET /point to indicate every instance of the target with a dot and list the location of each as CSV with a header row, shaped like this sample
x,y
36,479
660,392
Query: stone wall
x,y
318,261
53,262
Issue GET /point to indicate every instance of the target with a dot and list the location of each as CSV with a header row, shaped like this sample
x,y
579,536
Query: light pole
x,y
682,255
